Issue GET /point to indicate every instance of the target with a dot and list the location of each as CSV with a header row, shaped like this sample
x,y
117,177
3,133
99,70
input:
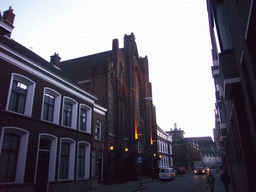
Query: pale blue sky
x,y
173,34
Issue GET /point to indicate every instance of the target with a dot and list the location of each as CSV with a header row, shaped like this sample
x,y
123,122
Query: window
x,y
83,160
66,161
69,113
21,95
98,130
85,118
13,148
9,157
51,105
48,107
93,163
110,108
18,97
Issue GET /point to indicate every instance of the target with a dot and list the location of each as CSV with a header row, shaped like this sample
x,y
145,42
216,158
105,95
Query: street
x,y
188,182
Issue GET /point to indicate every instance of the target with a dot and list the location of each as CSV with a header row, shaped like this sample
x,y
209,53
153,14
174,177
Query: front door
x,y
42,173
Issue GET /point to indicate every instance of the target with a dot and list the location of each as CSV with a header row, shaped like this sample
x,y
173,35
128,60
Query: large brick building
x,y
47,122
68,125
120,79
232,31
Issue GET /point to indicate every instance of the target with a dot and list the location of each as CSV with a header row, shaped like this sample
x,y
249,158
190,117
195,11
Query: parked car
x,y
177,170
183,170
167,173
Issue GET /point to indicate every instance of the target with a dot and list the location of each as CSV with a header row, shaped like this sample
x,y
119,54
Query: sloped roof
x,y
200,140
82,68
19,49
207,151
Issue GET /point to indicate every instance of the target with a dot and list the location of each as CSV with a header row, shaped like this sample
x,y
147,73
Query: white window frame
x,y
98,127
87,159
74,112
22,155
53,155
57,102
30,93
88,118
71,167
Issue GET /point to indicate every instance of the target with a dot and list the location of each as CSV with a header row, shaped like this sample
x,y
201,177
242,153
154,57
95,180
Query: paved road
x,y
187,183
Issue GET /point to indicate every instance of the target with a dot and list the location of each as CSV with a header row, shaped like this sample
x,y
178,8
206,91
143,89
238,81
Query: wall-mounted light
x,y
160,156
126,149
111,147
154,154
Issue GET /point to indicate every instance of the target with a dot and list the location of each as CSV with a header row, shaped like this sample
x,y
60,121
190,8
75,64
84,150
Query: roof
x,y
18,49
82,67
207,151
160,130
200,140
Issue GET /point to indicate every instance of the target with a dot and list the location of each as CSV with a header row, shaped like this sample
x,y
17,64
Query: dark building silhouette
x,y
76,123
232,31
120,79
185,152
210,153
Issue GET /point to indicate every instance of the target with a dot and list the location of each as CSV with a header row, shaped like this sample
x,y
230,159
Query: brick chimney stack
x,y
8,16
55,60
7,22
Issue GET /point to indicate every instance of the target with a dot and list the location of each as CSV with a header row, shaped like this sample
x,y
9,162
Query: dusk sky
x,y
174,34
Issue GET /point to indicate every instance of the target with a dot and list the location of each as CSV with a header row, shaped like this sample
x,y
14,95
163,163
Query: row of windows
x,y
165,161
163,147
20,100
14,143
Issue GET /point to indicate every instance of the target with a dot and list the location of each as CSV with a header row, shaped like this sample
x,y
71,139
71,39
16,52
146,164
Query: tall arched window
x,y
110,108
12,156
21,95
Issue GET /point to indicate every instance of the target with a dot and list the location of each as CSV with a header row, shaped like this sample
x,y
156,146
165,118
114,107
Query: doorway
x,y
42,174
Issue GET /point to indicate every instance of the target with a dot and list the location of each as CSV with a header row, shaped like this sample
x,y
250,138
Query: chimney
x,y
8,19
55,60
8,16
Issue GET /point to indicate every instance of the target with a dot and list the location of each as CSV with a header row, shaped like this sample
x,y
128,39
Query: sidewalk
x,y
218,185
129,186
